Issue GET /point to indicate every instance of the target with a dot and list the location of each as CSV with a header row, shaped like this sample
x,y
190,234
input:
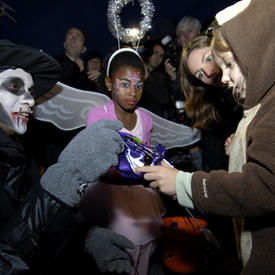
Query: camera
x,y
172,50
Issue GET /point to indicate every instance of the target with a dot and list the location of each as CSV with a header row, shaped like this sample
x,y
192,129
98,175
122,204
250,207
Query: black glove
x,y
89,155
108,250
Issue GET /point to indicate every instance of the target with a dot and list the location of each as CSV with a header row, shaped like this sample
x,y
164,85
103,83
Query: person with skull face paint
x,y
38,216
18,100
17,93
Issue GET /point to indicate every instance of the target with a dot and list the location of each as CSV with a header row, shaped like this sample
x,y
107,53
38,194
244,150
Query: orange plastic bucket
x,y
182,244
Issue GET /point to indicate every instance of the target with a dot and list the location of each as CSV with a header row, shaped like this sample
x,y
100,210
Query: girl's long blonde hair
x,y
220,46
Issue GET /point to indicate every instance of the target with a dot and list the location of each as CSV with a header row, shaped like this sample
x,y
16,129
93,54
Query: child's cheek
x,y
116,90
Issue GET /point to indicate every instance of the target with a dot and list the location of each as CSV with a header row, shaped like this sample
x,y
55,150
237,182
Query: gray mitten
x,y
108,250
89,155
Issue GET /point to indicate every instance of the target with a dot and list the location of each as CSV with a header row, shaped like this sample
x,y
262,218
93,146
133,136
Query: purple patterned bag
x,y
135,154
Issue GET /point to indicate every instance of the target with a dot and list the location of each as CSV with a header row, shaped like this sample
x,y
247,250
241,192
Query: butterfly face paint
x,y
16,100
131,83
127,86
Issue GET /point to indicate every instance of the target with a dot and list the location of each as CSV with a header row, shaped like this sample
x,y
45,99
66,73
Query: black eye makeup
x,y
14,85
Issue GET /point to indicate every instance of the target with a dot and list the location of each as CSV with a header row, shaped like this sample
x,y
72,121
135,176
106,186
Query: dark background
x,y
42,24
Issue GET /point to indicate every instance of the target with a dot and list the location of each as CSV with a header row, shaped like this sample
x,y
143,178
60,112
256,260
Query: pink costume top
x,y
131,210
107,111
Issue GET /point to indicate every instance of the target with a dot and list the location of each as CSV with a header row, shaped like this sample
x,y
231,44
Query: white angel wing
x,y
67,108
171,134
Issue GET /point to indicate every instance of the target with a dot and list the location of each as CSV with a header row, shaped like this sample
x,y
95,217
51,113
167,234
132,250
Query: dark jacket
x,y
70,74
43,227
32,221
45,141
156,96
94,86
18,174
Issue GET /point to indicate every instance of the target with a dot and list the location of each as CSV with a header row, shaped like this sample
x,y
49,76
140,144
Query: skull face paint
x,y
16,100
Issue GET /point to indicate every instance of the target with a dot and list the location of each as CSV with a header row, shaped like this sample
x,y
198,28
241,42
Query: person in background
x,y
131,210
54,140
93,75
187,29
71,60
153,54
246,192
156,94
209,104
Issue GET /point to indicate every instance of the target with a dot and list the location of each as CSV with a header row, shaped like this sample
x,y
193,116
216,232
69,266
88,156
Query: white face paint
x,y
16,100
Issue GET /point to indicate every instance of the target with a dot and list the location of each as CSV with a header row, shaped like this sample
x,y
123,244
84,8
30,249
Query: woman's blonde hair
x,y
219,46
218,43
200,111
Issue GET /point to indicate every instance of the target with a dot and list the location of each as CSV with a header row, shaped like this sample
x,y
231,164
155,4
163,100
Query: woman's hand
x,y
170,70
162,177
93,75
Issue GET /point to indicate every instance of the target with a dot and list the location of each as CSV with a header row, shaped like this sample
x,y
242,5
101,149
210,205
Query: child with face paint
x,y
243,46
38,216
133,211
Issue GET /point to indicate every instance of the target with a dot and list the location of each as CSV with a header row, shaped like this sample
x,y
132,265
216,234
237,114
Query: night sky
x,y
42,24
